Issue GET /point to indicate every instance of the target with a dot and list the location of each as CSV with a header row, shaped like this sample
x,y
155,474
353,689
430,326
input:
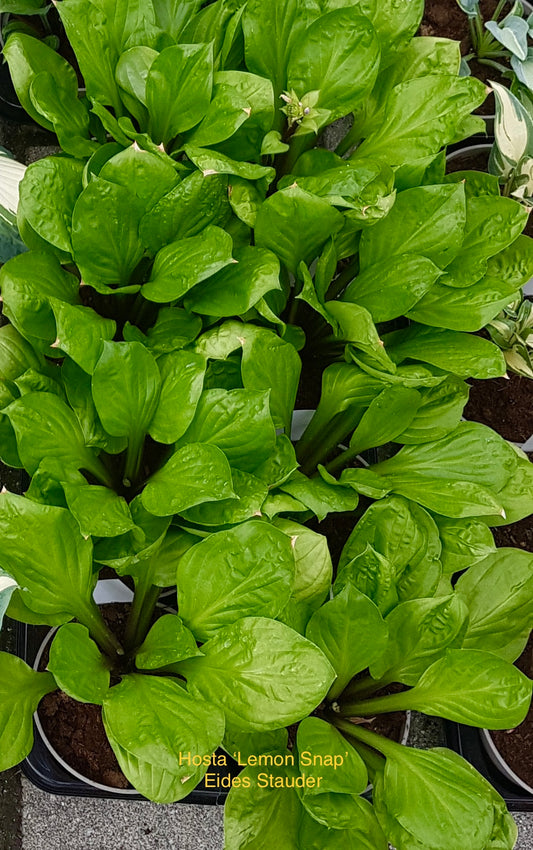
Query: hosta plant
x,y
194,244
512,331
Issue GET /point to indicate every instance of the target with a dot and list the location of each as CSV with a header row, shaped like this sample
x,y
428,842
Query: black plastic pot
x,y
44,771
466,741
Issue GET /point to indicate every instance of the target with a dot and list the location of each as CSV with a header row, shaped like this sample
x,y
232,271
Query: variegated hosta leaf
x,y
11,173
469,7
7,586
512,33
522,182
513,130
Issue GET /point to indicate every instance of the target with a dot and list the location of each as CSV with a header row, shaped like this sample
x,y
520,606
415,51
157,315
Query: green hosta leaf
x,y
106,256
467,309
178,89
492,224
391,287
167,642
237,288
337,56
138,170
427,221
21,690
150,721
194,474
48,194
77,384
174,329
27,57
261,672
126,386
27,282
320,496
80,332
350,631
269,362
463,354
182,380
355,326
195,203
281,464
313,567
236,421
256,813
77,664
129,553
420,116
420,631
386,418
269,39
164,563
224,115
172,15
473,687
465,542
341,769
364,832
295,225
181,265
45,553
46,427
16,355
498,594
453,805
211,162
246,571
130,74
249,140
440,411
246,502
245,199
99,511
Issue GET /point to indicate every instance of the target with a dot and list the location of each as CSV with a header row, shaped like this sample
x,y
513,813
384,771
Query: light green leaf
x,y
78,666
182,380
167,642
21,690
99,511
48,194
463,354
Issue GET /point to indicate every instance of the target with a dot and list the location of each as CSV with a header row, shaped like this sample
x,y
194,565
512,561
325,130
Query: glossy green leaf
x,y
440,411
465,542
338,56
178,89
256,813
341,769
48,194
238,287
21,690
295,225
227,111
150,721
243,572
212,162
174,329
46,427
319,495
420,631
77,664
81,332
313,567
106,256
194,474
463,354
261,673
391,287
52,564
182,380
497,592
387,416
269,362
350,631
249,494
149,176
99,511
236,421
181,265
126,385
195,203
131,72
167,642
364,832
427,221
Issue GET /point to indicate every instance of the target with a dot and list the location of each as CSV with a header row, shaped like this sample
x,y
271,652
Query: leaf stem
x,y
142,609
377,742
376,705
99,631
133,459
364,687
343,279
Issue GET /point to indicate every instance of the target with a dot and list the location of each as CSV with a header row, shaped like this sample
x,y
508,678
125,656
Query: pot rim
x,y
499,762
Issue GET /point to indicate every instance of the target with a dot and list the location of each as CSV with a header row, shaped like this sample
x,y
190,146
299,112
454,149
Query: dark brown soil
x,y
516,745
519,535
504,404
444,18
76,730
469,161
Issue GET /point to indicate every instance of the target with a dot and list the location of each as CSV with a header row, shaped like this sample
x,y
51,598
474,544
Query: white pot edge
x,y
499,762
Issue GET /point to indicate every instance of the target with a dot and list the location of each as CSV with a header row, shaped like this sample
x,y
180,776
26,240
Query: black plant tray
x,y
466,741
41,768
